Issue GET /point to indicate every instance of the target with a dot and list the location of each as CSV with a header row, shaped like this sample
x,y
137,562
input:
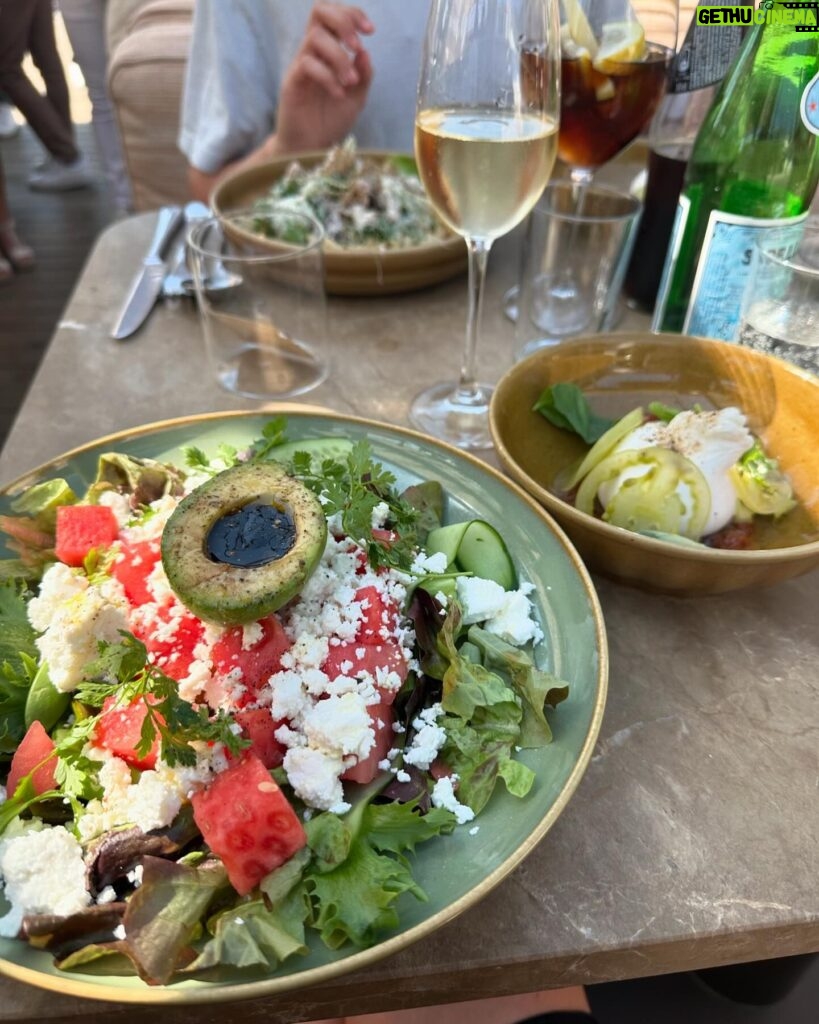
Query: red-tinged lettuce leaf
x,y
536,687
63,936
425,611
164,913
115,854
262,932
427,499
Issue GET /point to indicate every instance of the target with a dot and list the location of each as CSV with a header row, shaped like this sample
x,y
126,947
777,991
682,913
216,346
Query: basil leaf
x,y
567,407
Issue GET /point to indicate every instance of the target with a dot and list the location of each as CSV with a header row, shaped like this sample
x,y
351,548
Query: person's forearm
x,y
202,183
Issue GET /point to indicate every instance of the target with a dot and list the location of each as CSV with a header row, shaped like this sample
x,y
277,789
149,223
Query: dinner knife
x,y
148,282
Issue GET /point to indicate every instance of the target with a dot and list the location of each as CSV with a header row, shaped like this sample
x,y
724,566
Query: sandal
x,y
17,253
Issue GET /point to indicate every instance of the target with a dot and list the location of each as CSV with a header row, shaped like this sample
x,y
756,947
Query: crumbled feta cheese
x,y
479,599
43,872
513,622
119,932
428,739
380,515
443,795
314,776
108,895
120,505
340,725
73,615
252,633
153,801
424,565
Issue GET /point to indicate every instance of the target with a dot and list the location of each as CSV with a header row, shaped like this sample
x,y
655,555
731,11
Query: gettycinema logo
x,y
802,15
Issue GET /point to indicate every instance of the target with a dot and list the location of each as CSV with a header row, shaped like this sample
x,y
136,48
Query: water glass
x,y
261,300
575,252
780,312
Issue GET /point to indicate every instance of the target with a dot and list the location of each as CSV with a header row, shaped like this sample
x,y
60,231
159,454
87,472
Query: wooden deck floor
x,y
62,228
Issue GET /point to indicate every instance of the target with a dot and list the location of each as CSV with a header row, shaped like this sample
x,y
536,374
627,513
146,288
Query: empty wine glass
x,y
485,142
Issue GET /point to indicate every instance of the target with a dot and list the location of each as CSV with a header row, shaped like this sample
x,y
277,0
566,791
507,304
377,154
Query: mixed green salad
x,y
237,693
692,476
360,201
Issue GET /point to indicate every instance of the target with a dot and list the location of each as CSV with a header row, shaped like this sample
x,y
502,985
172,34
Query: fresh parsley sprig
x,y
274,433
353,487
122,670
227,455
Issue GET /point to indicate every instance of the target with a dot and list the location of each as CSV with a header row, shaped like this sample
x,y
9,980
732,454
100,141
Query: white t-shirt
x,y
240,51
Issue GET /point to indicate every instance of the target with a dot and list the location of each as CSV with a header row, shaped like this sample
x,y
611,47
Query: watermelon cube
x,y
80,528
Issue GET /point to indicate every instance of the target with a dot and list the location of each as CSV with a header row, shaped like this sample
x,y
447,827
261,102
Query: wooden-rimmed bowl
x,y
350,271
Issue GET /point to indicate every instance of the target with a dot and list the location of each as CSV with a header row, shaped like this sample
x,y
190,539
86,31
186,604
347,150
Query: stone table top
x,y
692,840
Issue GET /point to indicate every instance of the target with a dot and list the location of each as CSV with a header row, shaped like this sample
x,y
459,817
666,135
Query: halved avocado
x,y
244,543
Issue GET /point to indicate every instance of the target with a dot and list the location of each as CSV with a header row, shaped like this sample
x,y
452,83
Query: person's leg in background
x,y
51,124
85,25
8,126
14,254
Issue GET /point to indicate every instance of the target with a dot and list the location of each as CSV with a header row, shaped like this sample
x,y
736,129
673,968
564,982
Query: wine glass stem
x,y
478,249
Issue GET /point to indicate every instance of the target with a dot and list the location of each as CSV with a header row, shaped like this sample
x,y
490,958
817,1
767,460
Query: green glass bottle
x,y
753,169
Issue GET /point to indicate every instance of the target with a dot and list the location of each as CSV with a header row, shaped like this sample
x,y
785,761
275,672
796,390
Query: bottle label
x,y
726,257
706,53
810,105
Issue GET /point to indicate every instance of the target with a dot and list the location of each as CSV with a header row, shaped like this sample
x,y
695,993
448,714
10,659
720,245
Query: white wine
x,y
484,169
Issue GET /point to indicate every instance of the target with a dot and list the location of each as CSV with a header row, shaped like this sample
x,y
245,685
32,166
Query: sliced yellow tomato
x,y
761,485
659,490
600,449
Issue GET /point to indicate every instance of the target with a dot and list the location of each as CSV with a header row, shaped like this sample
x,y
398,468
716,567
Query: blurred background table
x,y
692,840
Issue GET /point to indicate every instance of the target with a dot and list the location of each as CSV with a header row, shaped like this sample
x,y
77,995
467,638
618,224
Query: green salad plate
x,y
455,871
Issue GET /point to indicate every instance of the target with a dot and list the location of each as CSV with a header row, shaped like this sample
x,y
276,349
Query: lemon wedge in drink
x,y
622,42
579,28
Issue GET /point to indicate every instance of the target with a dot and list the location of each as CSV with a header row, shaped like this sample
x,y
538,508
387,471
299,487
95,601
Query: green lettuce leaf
x,y
261,932
18,664
355,901
534,686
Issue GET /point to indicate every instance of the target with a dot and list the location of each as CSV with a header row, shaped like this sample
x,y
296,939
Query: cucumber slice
x,y
477,548
484,553
446,540
44,703
319,448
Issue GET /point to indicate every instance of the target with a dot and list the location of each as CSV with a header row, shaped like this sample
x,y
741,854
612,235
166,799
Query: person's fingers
x,y
321,43
307,68
344,22
364,69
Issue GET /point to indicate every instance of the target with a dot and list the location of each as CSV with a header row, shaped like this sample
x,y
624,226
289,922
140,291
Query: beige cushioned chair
x,y
146,75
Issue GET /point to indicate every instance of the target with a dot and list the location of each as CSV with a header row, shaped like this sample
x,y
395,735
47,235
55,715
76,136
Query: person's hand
x,y
325,87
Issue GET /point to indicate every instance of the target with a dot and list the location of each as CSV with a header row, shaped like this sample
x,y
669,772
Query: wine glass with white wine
x,y
485,142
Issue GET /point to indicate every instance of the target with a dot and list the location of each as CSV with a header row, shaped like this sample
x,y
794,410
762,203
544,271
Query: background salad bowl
x,y
619,372
352,271
473,861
